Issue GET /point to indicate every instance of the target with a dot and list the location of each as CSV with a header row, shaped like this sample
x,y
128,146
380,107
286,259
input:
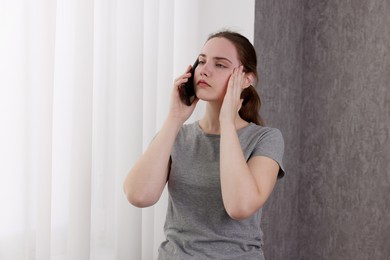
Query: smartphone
x,y
187,90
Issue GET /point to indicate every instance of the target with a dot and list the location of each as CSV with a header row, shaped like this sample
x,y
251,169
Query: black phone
x,y
187,90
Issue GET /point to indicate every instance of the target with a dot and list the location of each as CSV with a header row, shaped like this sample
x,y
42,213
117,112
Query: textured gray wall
x,y
344,189
278,42
336,116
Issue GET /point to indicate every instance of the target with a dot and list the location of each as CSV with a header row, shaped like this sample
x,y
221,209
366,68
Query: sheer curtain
x,y
84,86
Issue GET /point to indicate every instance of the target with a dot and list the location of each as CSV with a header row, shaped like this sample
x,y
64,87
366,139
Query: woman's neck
x,y
210,120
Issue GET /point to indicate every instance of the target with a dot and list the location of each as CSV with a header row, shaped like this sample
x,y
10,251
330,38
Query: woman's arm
x,y
245,185
147,178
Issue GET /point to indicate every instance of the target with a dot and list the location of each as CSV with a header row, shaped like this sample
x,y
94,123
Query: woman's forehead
x,y
220,47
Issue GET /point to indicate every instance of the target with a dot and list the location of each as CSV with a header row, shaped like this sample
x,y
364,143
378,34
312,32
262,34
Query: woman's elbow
x,y
237,214
139,199
242,212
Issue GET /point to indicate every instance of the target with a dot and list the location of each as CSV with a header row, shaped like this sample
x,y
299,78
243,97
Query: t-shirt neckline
x,y
199,129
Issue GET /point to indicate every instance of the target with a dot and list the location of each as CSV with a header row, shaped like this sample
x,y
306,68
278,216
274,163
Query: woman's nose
x,y
204,70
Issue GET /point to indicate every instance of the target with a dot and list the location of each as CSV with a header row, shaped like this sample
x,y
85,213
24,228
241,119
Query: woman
x,y
221,169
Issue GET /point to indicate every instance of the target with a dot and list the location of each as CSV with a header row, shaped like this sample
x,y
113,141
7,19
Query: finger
x,y
241,79
189,67
231,81
238,81
180,82
186,74
183,76
232,86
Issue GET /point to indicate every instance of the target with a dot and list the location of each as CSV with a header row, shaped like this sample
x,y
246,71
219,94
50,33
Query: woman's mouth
x,y
203,83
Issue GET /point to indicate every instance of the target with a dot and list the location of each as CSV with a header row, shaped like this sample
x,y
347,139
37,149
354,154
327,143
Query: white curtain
x,y
84,86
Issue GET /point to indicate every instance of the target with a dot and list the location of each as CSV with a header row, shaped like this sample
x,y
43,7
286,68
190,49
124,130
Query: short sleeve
x,y
271,144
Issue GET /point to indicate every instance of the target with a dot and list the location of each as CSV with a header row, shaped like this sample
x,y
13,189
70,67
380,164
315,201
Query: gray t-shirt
x,y
197,225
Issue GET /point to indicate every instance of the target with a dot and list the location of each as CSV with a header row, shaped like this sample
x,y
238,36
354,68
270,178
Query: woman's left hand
x,y
232,101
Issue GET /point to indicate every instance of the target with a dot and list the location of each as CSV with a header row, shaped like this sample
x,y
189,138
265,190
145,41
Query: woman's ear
x,y
249,78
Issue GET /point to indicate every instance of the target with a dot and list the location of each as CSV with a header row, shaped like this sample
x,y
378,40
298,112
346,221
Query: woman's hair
x,y
247,55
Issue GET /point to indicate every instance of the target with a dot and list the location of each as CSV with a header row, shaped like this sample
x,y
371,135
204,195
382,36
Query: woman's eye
x,y
201,62
220,65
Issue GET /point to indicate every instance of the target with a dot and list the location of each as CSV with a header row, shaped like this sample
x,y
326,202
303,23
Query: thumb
x,y
239,107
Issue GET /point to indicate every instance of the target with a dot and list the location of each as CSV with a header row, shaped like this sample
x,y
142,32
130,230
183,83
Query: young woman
x,y
221,169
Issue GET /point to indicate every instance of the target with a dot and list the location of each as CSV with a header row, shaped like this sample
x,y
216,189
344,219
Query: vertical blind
x,y
84,87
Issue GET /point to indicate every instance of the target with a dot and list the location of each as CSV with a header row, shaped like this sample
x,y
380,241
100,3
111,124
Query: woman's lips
x,y
203,83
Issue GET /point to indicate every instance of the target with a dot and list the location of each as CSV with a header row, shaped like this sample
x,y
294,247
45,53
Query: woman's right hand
x,y
178,110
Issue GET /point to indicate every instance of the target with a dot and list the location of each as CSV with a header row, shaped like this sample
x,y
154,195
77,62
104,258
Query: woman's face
x,y
217,60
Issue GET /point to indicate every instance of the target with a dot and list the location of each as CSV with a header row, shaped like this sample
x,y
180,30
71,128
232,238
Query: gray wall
x,y
278,42
326,85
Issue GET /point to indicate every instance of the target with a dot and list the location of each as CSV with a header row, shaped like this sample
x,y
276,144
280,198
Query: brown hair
x,y
247,55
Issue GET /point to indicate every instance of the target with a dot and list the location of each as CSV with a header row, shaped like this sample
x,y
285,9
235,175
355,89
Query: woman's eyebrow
x,y
216,58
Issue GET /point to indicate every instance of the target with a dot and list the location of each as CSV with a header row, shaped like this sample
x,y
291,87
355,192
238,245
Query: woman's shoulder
x,y
188,130
265,138
269,142
189,127
263,131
